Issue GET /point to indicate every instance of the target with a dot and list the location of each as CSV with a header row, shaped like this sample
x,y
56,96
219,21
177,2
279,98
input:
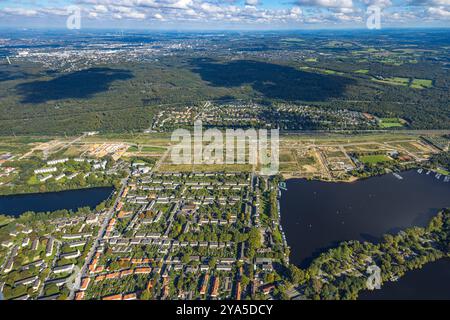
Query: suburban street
x,y
100,235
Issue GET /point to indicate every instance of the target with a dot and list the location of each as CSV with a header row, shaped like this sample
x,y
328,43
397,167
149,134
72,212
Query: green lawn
x,y
319,70
33,180
391,123
328,71
4,220
421,83
442,171
362,71
378,158
396,81
406,82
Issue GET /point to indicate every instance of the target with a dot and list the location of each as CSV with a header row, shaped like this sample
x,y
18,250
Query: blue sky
x,y
224,14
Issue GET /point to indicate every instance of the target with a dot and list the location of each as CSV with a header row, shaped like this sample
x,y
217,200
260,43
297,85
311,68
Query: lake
x,y
318,215
15,205
430,282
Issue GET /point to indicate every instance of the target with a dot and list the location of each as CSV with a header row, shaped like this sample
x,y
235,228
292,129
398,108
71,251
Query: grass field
x,y
406,82
421,83
362,71
391,122
324,71
378,158
33,180
286,157
396,81
21,145
4,220
443,171
330,138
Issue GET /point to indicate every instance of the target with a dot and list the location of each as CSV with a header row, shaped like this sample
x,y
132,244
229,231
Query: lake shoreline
x,y
56,191
352,179
16,205
354,205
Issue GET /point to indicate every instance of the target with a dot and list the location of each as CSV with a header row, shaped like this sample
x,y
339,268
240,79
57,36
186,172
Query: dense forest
x,y
441,159
396,76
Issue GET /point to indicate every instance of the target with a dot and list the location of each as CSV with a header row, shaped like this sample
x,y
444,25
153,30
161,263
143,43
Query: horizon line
x,y
225,30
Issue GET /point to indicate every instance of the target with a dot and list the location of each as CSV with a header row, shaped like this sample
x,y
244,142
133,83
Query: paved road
x,y
68,144
65,145
96,243
352,132
172,214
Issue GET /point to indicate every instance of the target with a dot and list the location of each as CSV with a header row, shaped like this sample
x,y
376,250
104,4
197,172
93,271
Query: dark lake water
x,y
318,215
15,205
430,282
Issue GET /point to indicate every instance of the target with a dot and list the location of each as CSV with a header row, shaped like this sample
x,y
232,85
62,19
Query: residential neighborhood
x,y
166,235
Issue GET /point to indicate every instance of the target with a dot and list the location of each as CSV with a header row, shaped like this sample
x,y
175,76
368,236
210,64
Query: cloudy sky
x,y
224,14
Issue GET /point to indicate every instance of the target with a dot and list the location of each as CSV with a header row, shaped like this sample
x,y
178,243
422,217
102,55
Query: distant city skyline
x,y
224,14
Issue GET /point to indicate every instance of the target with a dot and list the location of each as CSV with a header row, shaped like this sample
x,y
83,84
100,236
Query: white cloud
x,y
100,8
182,4
252,3
296,10
439,12
379,3
210,8
346,18
245,12
20,11
327,3
135,15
